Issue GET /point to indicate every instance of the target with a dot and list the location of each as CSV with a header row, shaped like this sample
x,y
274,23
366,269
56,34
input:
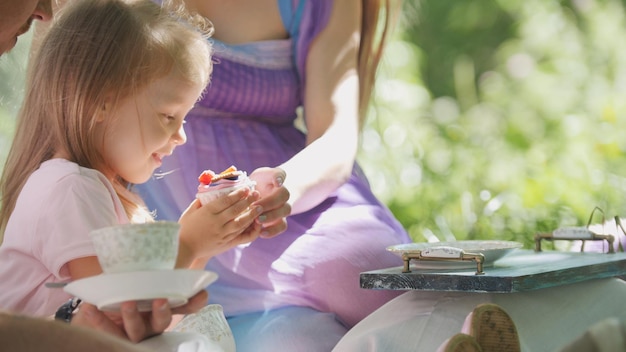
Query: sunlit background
x,y
492,119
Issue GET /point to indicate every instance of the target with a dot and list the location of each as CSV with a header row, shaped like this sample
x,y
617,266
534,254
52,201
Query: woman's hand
x,y
213,228
274,197
131,324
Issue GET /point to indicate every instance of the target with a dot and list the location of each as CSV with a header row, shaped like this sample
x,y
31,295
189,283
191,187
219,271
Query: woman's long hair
x,y
377,18
97,49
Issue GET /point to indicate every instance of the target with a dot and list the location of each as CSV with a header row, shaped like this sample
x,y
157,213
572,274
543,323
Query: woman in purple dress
x,y
300,288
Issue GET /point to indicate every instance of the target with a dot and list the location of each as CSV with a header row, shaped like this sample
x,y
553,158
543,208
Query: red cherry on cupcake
x,y
206,177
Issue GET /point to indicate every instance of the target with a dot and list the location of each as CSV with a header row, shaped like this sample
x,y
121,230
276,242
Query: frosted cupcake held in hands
x,y
213,186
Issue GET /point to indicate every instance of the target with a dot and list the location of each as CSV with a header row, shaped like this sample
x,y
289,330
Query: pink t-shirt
x,y
59,205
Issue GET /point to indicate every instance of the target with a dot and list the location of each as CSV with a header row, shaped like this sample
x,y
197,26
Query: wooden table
x,y
522,270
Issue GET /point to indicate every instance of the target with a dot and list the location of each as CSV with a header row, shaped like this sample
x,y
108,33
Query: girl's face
x,y
147,127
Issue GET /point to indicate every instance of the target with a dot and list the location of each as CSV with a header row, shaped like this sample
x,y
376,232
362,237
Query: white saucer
x,y
108,291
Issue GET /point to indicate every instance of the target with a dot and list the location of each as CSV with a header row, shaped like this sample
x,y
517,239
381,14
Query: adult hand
x,y
133,325
274,197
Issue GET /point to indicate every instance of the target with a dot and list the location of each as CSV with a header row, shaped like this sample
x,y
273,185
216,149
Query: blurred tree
x,y
446,30
500,118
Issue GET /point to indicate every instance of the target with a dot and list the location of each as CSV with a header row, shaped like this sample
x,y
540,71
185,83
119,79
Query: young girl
x,y
276,56
106,99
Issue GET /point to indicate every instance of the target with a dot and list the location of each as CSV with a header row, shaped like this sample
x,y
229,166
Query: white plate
x,y
491,249
108,291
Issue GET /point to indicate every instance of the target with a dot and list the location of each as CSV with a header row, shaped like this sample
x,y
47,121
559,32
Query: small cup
x,y
137,247
210,322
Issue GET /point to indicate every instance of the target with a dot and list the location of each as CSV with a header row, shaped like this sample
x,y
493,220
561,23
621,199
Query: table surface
x,y
522,270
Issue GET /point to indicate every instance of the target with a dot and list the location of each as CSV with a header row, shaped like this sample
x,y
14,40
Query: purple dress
x,y
246,119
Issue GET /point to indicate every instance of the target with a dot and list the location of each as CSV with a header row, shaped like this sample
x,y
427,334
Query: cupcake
x,y
214,185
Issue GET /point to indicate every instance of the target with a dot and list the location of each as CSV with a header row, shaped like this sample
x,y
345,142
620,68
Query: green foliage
x,y
500,119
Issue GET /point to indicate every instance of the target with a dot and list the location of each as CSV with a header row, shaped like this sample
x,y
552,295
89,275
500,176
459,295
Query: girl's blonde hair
x,y
377,18
97,49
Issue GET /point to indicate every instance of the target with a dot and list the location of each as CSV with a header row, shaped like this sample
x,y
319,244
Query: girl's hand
x,y
274,197
218,225
133,325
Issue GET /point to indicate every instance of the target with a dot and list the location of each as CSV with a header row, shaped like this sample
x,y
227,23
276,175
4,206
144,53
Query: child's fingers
x,y
243,219
241,211
223,203
235,227
250,234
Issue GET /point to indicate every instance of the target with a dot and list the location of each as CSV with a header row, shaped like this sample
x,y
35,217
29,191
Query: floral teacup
x,y
136,247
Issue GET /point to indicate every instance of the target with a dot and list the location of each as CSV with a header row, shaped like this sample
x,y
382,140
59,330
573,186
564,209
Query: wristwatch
x,y
67,309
